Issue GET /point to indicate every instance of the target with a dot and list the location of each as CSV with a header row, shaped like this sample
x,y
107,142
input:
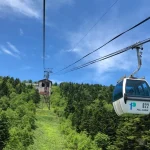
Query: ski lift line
x,y
143,21
45,85
115,53
95,24
44,33
110,55
94,61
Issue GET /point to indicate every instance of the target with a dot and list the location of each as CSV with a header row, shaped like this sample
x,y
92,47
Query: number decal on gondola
x,y
145,105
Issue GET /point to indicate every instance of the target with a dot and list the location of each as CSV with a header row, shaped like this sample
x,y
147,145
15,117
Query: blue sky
x,y
67,21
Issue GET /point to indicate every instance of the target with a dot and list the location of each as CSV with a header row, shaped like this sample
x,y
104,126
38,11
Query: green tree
x,y
4,133
102,140
17,114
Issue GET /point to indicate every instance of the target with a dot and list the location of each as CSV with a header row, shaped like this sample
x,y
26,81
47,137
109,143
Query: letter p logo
x,y
132,104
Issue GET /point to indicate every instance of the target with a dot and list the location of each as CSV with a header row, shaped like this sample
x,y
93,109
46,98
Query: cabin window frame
x,y
140,90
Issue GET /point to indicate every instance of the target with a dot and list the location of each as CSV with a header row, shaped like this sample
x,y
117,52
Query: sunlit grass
x,y
47,135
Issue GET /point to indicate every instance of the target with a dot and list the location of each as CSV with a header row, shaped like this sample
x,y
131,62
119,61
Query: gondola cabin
x,y
131,95
44,87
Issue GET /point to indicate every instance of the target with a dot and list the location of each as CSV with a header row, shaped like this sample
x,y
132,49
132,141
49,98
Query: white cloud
x,y
71,50
121,62
21,32
25,7
103,32
8,52
92,42
12,47
31,8
46,57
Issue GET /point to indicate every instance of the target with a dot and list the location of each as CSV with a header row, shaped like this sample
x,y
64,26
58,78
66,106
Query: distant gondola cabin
x,y
45,87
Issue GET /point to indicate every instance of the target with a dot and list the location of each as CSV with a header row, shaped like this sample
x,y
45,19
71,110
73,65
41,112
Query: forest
x,y
17,113
90,110
85,118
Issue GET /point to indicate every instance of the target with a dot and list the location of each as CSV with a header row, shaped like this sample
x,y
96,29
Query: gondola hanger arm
x,y
139,58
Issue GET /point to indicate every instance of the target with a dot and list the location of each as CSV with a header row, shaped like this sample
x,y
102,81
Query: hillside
x,y
81,118
54,131
17,114
90,110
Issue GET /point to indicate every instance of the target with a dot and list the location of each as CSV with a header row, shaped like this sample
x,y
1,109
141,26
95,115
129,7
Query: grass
x,y
48,135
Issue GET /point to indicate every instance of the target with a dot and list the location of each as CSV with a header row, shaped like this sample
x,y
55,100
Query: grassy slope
x,y
47,135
